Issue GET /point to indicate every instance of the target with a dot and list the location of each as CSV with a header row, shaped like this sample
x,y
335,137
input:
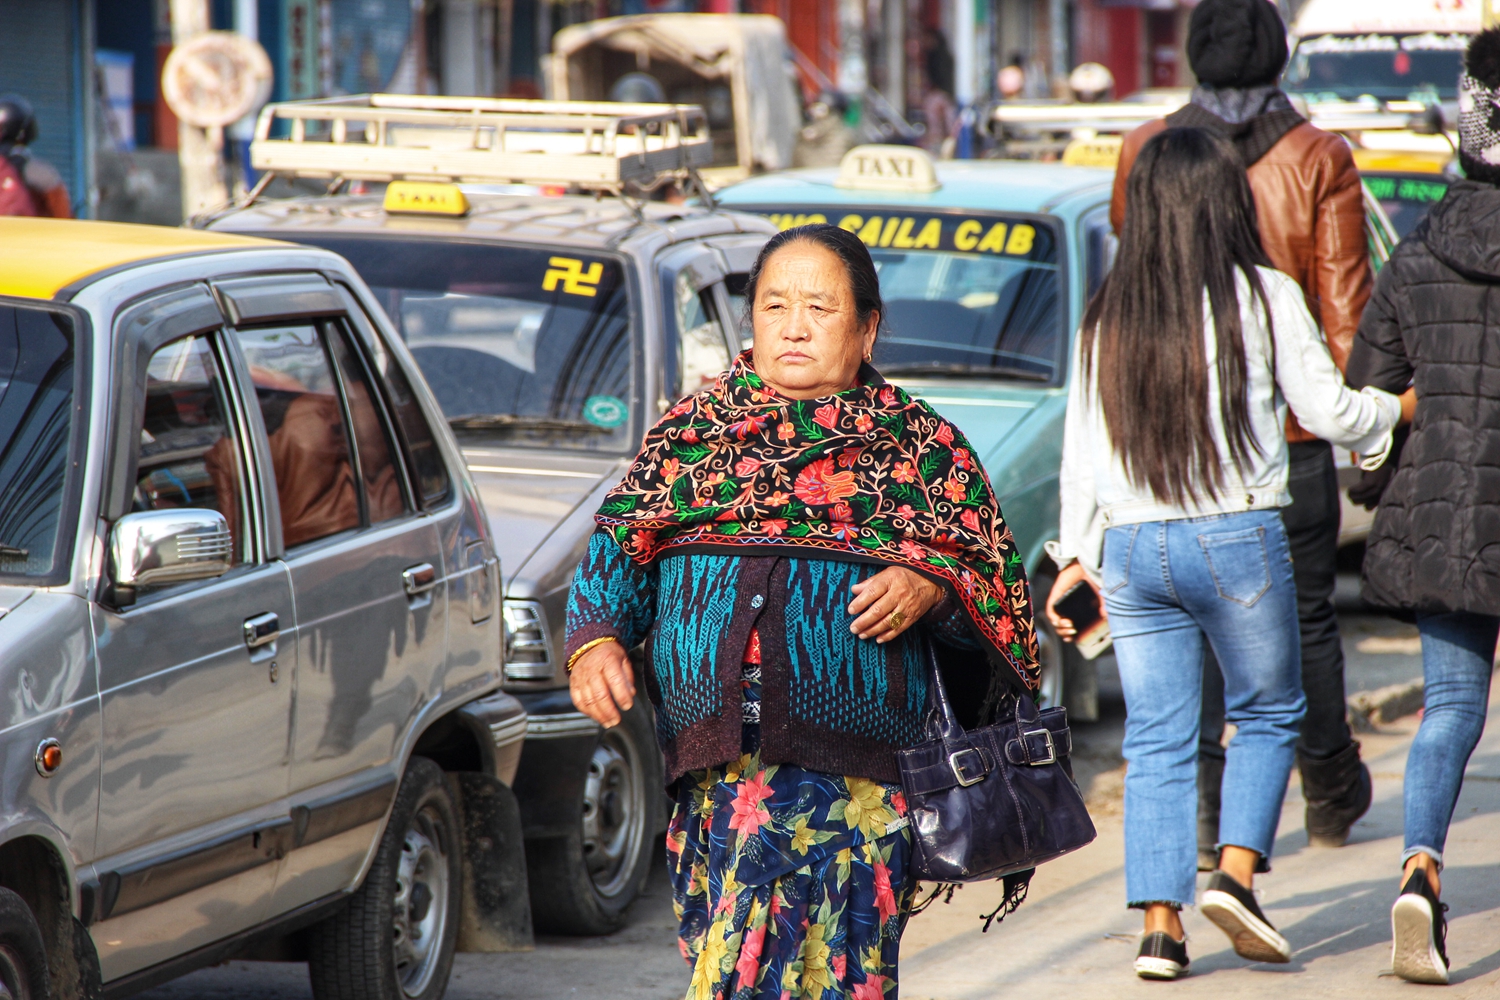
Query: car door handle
x,y
262,630
419,579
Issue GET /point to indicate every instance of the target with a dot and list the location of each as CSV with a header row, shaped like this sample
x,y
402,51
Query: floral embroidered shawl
x,y
867,474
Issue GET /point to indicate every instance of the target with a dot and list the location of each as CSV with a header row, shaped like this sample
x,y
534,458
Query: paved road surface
x,y
1074,938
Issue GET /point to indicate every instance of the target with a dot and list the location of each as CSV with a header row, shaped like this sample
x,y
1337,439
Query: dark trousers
x,y
1312,529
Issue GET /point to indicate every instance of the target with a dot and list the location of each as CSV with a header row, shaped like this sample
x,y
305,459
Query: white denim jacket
x,y
1096,492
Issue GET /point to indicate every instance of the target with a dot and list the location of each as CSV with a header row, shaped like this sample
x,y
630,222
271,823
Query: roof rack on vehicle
x,y
596,146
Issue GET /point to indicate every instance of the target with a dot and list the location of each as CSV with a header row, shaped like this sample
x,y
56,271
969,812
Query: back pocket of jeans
x,y
1237,562
1119,545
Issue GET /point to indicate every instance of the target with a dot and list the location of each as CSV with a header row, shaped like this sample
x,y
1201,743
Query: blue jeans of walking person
x,y
1458,656
1168,586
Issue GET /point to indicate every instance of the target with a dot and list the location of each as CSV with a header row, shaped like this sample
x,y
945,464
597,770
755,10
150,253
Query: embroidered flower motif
x,y
747,466
848,457
905,472
671,469
887,396
773,526
820,484
945,544
827,415
905,511
945,433
1005,629
864,423
842,519
962,459
778,499
786,431
912,550
683,406
690,435
749,813
642,543
970,518
750,425
954,490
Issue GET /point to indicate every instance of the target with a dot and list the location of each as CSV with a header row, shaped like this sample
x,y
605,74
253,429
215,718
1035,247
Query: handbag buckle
x,y
1051,747
958,771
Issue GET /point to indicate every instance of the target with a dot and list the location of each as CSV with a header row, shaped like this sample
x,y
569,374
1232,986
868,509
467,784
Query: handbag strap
x,y
942,723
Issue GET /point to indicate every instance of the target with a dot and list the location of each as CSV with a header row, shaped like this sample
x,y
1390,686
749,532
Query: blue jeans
x,y
1167,586
1458,653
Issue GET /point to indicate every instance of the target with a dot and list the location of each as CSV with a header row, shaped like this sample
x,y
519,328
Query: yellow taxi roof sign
x,y
425,198
888,168
1100,151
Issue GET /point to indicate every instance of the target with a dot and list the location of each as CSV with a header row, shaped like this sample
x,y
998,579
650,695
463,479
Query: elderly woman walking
x,y
787,543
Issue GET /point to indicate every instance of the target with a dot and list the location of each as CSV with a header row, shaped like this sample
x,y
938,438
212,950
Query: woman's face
x,y
808,340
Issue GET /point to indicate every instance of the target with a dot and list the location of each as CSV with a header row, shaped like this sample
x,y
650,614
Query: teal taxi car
x,y
985,267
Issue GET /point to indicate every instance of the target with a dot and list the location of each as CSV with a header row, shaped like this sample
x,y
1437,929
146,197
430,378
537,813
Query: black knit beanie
x,y
1236,43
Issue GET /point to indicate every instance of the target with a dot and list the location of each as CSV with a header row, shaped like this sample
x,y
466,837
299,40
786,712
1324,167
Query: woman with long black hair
x,y
1174,470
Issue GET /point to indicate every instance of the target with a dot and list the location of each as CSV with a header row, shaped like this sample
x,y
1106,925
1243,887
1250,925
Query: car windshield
x,y
971,295
36,422
528,344
1389,67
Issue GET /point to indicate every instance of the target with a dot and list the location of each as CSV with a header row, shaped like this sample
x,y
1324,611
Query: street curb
x,y
1385,704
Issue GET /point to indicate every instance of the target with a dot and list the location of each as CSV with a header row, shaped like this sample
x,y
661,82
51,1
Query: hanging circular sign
x,y
216,78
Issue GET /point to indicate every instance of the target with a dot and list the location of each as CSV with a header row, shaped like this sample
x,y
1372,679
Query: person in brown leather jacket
x,y
1309,205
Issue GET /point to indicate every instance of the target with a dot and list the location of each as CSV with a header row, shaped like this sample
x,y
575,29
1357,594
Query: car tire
x,y
1068,677
584,882
23,956
396,937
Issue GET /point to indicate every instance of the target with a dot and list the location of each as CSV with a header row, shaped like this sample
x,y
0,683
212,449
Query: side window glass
x,y
701,354
187,454
429,476
1100,246
377,465
310,455
739,310
36,423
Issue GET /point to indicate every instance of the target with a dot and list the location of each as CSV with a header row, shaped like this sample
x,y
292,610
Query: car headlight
x,y
528,648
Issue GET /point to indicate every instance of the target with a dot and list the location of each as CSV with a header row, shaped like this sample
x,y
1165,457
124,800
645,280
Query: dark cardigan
x,y
830,701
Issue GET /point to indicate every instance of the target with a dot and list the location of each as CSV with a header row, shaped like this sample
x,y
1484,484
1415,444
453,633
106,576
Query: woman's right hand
x,y
602,683
1066,579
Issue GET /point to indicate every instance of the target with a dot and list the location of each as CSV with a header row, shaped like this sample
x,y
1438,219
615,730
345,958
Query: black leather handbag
x,y
991,801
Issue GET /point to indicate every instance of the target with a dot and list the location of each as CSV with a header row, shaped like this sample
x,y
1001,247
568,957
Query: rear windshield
x,y
36,423
527,344
972,295
1390,67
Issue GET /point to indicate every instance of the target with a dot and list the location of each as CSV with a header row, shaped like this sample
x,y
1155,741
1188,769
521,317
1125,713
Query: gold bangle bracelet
x,y
586,647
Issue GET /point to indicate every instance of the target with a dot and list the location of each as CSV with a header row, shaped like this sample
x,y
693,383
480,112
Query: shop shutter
x,y
37,62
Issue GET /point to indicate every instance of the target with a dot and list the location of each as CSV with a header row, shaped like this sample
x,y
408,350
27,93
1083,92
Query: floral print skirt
x,y
788,882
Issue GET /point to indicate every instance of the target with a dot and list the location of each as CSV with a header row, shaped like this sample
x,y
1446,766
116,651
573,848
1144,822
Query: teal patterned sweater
x,y
830,701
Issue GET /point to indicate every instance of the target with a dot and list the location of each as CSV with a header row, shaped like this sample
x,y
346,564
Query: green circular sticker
x,y
605,411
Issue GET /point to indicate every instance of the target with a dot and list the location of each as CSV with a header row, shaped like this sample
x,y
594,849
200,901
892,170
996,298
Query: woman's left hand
x,y
890,602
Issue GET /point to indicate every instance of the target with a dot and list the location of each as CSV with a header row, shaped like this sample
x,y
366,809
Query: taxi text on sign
x,y
888,168
986,234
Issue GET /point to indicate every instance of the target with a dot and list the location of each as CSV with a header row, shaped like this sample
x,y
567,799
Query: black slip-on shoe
x,y
1161,956
1419,933
1233,909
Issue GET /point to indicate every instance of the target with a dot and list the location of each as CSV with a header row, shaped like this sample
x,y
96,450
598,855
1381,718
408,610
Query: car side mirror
x,y
158,547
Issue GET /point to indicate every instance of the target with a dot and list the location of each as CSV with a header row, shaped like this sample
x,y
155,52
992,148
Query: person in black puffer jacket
x,y
1434,550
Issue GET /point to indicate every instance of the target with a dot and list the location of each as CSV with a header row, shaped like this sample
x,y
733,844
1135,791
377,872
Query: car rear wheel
x,y
583,883
395,940
23,956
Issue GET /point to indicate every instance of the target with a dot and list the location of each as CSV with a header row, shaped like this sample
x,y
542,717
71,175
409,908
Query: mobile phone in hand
x,y
1080,605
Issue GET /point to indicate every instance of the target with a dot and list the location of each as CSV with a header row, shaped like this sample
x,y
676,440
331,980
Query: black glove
x,y
1372,484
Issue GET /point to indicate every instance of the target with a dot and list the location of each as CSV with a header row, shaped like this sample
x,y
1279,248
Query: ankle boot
x,y
1337,791
1210,780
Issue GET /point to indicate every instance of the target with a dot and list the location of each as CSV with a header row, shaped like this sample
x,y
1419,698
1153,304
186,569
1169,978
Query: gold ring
x,y
897,619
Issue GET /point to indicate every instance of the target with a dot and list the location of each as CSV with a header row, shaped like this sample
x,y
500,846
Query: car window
x,y
527,343
1406,198
423,457
1416,67
377,465
972,294
310,455
739,315
187,454
702,352
36,414
1100,244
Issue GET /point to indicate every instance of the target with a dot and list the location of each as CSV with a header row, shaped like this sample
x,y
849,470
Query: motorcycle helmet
x,y
17,121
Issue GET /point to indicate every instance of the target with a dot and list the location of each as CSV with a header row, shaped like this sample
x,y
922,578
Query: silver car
x,y
250,642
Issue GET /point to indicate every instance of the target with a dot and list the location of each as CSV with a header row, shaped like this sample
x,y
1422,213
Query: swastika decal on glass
x,y
575,280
